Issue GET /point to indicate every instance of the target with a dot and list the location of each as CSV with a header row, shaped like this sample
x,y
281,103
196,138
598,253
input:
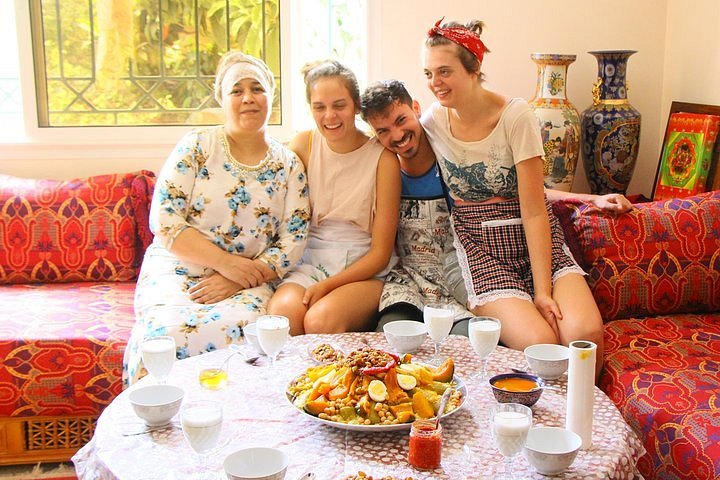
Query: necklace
x,y
236,162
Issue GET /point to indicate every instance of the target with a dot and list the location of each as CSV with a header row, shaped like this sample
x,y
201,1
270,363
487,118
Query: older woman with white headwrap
x,y
230,215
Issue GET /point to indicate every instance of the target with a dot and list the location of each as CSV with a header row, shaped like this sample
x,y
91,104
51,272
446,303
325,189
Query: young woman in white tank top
x,y
355,195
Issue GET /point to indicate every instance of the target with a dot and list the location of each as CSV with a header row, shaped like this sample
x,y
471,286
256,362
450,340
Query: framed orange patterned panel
x,y
689,158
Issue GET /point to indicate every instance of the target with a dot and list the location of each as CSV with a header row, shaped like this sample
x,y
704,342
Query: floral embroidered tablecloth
x,y
257,413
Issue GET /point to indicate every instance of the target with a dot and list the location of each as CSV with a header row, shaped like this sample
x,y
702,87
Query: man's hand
x,y
612,202
213,289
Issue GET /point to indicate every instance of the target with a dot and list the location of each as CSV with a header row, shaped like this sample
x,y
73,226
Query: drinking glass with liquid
x,y
213,372
484,334
510,424
438,318
158,356
272,333
201,424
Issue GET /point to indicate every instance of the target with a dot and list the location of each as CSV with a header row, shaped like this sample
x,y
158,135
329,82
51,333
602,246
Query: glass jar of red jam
x,y
425,447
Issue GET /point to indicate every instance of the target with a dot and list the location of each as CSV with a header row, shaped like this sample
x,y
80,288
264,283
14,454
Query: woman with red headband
x,y
511,249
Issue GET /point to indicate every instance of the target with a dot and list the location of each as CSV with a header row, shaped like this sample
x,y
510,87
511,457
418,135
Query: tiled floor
x,y
44,471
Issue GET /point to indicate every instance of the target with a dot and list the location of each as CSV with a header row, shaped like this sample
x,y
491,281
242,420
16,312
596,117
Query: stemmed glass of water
x,y
484,334
158,356
272,333
510,423
438,318
201,424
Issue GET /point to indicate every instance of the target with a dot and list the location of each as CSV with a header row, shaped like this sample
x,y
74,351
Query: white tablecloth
x,y
257,413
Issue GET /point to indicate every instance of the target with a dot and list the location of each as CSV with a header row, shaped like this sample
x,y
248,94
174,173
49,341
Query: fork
x,y
149,429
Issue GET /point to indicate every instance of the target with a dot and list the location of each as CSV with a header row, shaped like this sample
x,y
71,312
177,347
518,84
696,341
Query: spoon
x,y
441,408
520,370
546,386
238,349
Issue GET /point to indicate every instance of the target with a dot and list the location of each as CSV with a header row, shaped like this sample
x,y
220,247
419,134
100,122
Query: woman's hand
x,y
243,271
315,292
213,289
612,202
550,311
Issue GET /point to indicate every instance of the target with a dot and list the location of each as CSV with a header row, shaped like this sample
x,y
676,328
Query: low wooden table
x,y
257,413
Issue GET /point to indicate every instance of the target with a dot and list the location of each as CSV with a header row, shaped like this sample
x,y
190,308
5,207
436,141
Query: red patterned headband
x,y
461,36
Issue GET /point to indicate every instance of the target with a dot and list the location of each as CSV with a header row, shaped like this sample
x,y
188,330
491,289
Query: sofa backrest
x,y
85,229
661,258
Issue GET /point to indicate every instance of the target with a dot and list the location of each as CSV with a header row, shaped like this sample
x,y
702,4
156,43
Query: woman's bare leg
x,y
521,324
581,317
287,301
349,308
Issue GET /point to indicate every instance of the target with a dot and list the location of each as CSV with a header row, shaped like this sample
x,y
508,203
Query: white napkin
x,y
581,390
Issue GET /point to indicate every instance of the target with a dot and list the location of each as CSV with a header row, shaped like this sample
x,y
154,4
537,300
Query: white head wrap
x,y
250,67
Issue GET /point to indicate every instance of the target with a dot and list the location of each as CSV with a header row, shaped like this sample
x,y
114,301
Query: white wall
x,y
678,58
692,54
516,28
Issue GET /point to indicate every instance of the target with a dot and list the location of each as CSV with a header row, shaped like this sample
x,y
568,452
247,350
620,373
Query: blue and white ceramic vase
x,y
610,127
559,120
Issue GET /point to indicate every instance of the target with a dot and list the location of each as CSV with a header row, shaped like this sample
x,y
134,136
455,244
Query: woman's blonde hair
x,y
314,71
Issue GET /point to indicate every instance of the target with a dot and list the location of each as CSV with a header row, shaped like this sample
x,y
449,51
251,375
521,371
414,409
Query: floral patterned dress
x,y
260,212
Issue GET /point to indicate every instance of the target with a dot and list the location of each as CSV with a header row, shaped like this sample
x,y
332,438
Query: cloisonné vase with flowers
x,y
558,118
610,127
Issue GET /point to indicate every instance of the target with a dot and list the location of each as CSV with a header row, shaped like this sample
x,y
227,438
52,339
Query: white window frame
x,y
150,142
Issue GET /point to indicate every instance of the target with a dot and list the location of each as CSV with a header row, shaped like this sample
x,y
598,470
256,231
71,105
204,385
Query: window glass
x,y
161,76
10,95
339,31
144,62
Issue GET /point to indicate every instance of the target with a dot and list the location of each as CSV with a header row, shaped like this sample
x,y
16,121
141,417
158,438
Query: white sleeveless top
x,y
342,185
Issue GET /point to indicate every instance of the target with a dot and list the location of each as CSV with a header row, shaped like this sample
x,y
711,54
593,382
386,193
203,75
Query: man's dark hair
x,y
378,97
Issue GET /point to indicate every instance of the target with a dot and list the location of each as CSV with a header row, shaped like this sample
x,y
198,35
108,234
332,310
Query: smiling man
x,y
428,270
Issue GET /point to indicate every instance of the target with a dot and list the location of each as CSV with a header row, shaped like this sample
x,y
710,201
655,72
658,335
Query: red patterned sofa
x,y
655,274
69,255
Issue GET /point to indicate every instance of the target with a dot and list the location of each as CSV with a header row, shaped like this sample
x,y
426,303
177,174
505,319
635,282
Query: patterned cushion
x,y
92,229
663,373
660,258
62,346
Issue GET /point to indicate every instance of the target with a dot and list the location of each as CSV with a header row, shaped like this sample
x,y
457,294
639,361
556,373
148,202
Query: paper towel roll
x,y
581,390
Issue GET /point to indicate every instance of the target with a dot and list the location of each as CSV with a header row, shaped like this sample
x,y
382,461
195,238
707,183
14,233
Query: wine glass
x,y
438,318
510,423
484,334
272,333
201,424
158,356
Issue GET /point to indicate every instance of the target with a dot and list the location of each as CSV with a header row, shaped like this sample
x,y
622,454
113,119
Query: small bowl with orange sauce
x,y
522,388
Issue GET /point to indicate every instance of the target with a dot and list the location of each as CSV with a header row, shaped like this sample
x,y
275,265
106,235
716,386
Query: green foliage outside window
x,y
144,62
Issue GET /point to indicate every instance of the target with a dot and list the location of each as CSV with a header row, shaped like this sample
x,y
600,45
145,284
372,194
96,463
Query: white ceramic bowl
x,y
156,404
405,336
550,450
250,332
547,360
256,463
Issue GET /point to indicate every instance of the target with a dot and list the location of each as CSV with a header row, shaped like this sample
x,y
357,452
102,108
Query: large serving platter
x,y
459,385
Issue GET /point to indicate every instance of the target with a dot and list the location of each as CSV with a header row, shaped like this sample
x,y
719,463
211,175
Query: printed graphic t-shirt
x,y
478,170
